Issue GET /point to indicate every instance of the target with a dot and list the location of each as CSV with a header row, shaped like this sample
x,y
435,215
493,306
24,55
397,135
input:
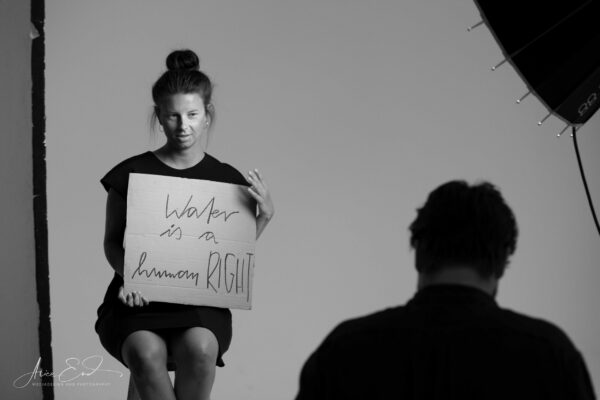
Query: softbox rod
x,y
585,185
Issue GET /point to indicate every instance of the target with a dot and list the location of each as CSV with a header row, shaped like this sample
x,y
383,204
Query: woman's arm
x,y
261,194
261,224
114,230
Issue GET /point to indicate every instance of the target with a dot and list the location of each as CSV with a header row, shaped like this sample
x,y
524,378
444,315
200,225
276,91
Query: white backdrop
x,y
353,111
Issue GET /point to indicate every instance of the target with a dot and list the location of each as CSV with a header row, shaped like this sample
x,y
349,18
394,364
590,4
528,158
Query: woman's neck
x,y
179,159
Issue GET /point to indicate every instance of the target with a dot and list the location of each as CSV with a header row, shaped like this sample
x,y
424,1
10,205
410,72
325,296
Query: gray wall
x,y
18,305
353,111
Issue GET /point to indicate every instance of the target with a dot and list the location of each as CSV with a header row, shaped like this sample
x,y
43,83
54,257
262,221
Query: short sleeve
x,y
118,179
234,176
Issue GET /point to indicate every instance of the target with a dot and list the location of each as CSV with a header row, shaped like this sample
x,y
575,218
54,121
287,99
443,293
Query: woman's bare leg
x,y
195,352
145,353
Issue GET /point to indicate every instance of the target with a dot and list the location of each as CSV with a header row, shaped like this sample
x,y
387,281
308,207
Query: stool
x,y
132,393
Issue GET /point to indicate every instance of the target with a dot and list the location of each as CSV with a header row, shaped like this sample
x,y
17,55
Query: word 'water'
x,y
188,211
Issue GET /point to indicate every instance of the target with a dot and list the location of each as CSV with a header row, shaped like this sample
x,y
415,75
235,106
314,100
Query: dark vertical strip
x,y
40,213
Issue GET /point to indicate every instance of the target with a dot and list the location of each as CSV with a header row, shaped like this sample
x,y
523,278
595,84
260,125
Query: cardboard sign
x,y
190,241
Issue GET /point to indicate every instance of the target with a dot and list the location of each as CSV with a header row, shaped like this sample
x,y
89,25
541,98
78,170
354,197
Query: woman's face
x,y
183,120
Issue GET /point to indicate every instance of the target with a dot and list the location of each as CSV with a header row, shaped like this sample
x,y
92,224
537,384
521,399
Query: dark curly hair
x,y
462,224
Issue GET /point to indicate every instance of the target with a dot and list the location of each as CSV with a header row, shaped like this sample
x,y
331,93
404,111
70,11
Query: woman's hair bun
x,y
185,60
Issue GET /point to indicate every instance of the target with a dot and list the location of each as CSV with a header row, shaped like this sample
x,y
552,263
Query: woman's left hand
x,y
260,192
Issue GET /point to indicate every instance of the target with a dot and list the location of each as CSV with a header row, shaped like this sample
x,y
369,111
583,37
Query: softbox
x,y
555,48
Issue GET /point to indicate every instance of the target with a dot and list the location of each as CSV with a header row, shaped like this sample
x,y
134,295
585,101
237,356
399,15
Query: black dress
x,y
117,320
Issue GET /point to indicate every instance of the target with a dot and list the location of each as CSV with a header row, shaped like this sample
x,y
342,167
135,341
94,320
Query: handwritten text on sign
x,y
190,241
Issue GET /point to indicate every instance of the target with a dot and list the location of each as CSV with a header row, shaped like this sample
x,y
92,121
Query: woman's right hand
x,y
132,299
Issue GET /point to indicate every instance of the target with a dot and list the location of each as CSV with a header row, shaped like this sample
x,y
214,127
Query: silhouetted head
x,y
462,225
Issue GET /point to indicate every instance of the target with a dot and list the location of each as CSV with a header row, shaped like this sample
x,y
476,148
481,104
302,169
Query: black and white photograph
x,y
309,200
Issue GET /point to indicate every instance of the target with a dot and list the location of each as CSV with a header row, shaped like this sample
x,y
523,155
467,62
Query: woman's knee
x,y
144,353
197,349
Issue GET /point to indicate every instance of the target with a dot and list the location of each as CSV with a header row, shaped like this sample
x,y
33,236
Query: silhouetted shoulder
x,y
355,351
367,326
537,329
546,338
